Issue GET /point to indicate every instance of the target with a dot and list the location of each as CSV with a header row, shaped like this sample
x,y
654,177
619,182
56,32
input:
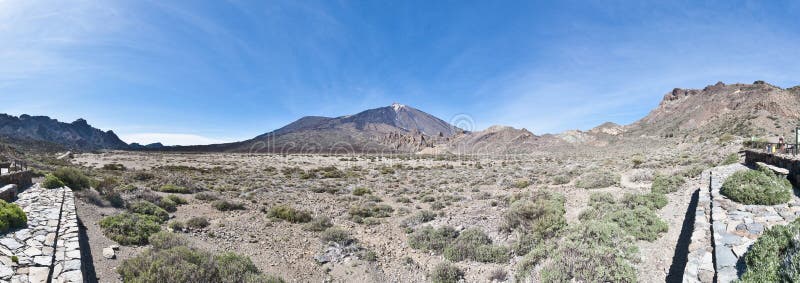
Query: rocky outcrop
x,y
76,135
758,109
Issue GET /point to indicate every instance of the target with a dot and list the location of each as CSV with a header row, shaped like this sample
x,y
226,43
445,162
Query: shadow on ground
x,y
681,256
87,261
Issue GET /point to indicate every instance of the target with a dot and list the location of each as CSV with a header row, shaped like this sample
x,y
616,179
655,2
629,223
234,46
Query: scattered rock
x,y
109,253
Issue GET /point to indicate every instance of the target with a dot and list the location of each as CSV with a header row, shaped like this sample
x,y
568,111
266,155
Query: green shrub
x,y
757,187
52,182
730,159
360,191
561,179
224,205
430,239
592,251
170,260
115,199
663,184
521,184
289,213
148,208
640,222
543,216
651,200
167,204
446,272
177,199
205,196
693,172
130,228
11,217
634,213
170,188
473,244
197,222
772,258
176,226
319,223
114,167
418,218
73,178
337,235
597,179
370,209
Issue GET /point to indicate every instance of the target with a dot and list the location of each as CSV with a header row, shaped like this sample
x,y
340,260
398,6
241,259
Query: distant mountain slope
x,y
394,128
76,135
757,109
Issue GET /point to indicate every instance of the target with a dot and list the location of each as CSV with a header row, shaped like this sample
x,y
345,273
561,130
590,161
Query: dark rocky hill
x,y
78,135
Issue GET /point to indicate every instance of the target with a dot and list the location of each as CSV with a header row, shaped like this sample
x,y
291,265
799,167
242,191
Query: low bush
x,y
337,235
73,178
641,222
177,199
592,251
761,187
473,244
148,208
197,222
542,215
224,205
170,188
130,228
177,226
730,159
446,272
11,217
205,196
289,213
634,213
693,172
431,239
419,218
664,184
52,182
171,260
319,223
115,199
370,209
360,191
114,167
651,200
597,179
773,257
521,184
561,179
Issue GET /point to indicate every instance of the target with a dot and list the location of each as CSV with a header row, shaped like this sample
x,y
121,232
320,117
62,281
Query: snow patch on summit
x,y
397,106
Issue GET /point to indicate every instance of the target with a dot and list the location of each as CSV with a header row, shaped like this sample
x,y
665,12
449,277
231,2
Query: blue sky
x,y
188,72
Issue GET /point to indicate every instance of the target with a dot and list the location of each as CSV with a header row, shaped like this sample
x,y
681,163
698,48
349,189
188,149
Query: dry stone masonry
x,y
48,248
734,226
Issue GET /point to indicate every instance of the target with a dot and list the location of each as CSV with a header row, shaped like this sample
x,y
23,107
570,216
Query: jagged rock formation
x,y
76,135
757,109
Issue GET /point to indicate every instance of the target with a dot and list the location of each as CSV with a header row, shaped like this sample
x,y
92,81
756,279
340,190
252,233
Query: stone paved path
x,y
48,244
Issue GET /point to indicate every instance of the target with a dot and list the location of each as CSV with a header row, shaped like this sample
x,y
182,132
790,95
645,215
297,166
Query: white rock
x,y
108,253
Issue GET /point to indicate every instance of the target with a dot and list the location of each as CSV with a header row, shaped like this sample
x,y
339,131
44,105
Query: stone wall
x,y
725,230
700,261
47,250
786,161
21,178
